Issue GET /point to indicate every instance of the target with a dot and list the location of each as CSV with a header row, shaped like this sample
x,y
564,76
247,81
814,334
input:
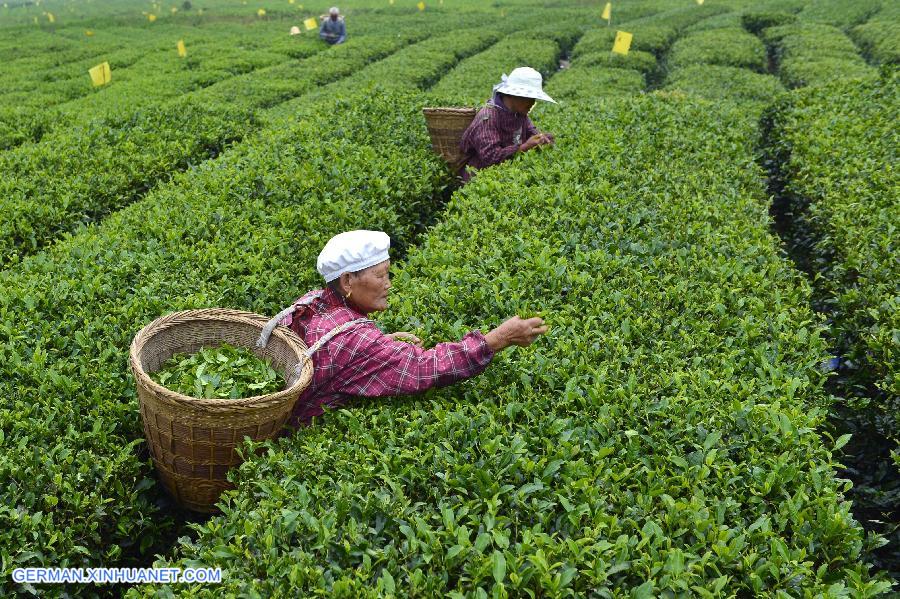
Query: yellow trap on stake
x,y
100,74
622,43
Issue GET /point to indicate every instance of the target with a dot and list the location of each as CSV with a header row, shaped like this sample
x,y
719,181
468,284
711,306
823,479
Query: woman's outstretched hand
x,y
515,331
401,336
538,139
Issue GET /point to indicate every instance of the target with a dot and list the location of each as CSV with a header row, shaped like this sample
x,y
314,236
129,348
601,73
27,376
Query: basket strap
x,y
332,333
298,369
270,326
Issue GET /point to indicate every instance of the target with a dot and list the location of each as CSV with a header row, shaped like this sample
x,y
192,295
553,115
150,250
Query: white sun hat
x,y
351,252
523,82
295,30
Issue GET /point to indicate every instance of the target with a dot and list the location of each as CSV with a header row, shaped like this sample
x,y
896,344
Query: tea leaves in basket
x,y
225,372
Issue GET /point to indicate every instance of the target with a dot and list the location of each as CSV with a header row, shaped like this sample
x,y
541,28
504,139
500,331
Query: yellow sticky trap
x,y
700,2
89,33
310,24
607,12
174,10
290,1
391,2
100,74
421,5
622,43
51,18
182,51
151,17
261,12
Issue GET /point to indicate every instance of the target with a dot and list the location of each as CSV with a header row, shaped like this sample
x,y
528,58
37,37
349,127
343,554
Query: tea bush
x,y
62,83
280,83
839,13
890,11
76,176
836,146
755,21
637,60
666,438
654,33
726,83
729,47
564,29
79,175
729,20
660,440
814,54
592,76
584,82
682,17
151,74
648,38
879,41
147,70
184,245
423,64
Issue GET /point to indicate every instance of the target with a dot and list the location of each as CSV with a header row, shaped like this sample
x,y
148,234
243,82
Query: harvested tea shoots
x,y
223,372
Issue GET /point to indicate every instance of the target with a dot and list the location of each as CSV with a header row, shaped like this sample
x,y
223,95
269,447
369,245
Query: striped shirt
x,y
363,361
494,135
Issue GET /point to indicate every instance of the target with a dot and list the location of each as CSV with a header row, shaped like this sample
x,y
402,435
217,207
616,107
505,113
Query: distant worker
x,y
333,29
502,128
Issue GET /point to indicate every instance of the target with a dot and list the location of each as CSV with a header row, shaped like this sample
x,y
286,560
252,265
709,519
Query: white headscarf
x,y
351,252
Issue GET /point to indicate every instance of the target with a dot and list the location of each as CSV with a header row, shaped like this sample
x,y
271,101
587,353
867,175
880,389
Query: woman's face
x,y
369,288
520,105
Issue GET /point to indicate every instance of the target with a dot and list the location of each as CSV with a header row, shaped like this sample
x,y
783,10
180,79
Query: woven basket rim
x,y
227,315
460,110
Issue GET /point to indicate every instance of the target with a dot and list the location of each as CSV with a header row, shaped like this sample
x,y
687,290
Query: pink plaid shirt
x,y
363,361
495,135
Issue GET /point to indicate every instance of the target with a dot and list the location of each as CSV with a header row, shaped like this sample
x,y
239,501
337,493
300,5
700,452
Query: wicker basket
x,y
446,127
192,441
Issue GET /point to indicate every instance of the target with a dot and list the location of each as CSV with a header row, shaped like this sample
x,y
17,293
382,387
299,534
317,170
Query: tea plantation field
x,y
714,240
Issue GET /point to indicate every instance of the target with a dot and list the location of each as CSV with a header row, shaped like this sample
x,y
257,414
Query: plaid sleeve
x,y
483,140
372,364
